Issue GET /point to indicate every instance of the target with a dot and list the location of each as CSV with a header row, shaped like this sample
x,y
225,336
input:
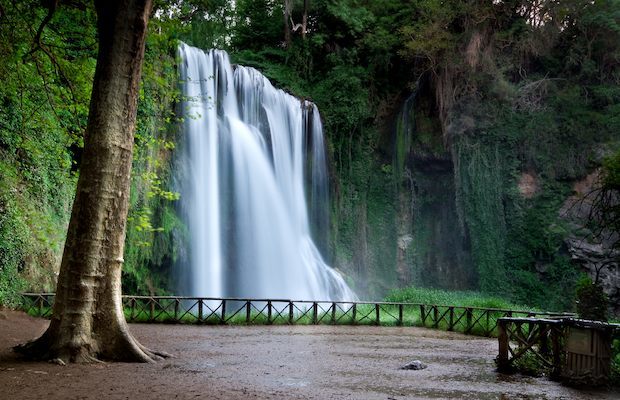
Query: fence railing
x,y
207,310
541,339
578,351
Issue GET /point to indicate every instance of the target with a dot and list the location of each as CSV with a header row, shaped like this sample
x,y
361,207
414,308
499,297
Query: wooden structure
x,y
205,310
588,351
539,338
575,350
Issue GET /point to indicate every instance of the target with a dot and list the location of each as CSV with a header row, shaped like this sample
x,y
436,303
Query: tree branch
x,y
51,9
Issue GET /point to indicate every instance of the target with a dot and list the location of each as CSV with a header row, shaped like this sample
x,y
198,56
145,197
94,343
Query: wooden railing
x,y
576,350
540,339
206,310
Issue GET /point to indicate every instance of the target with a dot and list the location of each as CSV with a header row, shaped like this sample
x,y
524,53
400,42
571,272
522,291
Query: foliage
x,y
12,252
451,298
47,63
508,87
604,217
615,363
503,88
591,300
152,221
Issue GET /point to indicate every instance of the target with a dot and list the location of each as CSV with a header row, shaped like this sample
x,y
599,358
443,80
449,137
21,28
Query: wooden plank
x,y
133,308
503,363
176,309
269,321
556,350
315,312
469,316
291,315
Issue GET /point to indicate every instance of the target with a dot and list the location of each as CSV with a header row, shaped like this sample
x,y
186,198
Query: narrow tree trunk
x,y
88,321
304,21
288,8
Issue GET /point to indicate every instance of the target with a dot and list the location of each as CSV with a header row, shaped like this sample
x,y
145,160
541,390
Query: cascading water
x,y
247,146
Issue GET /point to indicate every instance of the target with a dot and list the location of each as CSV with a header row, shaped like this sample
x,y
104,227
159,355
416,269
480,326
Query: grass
x,y
453,298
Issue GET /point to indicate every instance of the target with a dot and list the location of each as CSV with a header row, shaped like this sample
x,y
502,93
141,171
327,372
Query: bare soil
x,y
278,362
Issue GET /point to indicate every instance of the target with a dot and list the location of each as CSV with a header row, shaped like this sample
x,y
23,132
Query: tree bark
x,y
288,9
88,323
304,21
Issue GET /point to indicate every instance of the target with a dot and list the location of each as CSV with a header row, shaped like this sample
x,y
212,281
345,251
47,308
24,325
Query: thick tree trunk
x,y
88,321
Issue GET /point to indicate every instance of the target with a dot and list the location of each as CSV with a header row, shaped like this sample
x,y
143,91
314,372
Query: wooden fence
x,y
576,350
206,310
541,339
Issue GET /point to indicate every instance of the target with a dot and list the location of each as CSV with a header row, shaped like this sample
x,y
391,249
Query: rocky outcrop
x,y
601,263
594,253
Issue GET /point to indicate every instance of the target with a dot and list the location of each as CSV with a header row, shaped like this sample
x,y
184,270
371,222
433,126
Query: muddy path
x,y
278,362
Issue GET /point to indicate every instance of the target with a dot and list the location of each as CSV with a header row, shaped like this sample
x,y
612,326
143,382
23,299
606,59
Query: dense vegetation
x,y
456,132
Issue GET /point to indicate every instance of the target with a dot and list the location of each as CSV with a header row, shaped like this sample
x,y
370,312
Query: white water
x,y
246,147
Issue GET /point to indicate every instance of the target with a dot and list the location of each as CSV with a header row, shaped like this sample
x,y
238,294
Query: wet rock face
x,y
598,258
601,263
528,185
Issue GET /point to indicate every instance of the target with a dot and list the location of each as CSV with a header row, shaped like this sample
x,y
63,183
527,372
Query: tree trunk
x,y
88,321
304,21
288,9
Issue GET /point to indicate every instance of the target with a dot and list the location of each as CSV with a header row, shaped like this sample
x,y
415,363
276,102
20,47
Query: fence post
x,y
354,312
333,312
199,310
315,312
436,316
451,319
152,309
556,348
423,314
377,319
291,316
176,309
488,328
223,319
132,307
40,306
269,312
400,315
248,312
469,316
502,357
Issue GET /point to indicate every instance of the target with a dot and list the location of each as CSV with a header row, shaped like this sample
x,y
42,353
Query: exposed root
x,y
38,349
127,349
158,355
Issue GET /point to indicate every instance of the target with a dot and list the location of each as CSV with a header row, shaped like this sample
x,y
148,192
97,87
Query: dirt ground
x,y
277,362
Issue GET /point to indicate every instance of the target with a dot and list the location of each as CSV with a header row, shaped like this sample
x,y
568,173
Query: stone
x,y
415,365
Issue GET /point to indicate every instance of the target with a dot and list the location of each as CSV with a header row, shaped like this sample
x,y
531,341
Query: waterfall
x,y
248,150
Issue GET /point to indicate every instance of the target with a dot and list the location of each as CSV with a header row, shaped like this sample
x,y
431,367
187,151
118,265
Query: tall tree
x,y
88,321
